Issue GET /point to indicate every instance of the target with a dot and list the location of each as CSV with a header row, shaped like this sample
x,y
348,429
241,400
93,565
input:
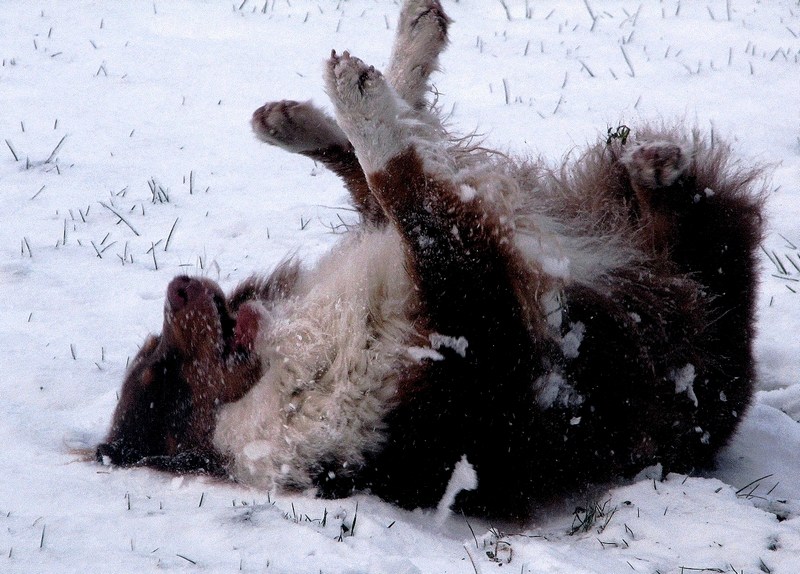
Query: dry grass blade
x,y
121,218
11,148
171,231
55,150
755,484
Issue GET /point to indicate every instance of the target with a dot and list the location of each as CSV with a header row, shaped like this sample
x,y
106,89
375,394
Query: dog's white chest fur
x,y
333,353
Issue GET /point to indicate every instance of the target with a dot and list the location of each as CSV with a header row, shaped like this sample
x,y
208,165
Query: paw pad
x,y
656,165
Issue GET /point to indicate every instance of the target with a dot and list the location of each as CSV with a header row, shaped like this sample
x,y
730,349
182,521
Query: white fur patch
x,y
256,450
333,353
544,251
378,122
555,247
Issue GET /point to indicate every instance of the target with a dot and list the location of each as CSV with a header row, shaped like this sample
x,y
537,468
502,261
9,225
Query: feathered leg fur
x,y
301,127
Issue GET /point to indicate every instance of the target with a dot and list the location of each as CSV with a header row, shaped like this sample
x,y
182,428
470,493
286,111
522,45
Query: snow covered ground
x,y
127,158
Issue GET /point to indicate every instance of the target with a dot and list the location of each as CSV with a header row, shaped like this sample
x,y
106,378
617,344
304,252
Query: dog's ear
x,y
153,408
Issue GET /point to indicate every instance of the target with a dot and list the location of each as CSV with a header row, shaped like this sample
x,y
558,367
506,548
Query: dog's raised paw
x,y
367,109
355,86
424,17
298,127
657,164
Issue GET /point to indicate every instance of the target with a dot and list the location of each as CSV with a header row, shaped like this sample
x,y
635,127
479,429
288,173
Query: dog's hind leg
x,y
655,169
703,213
421,37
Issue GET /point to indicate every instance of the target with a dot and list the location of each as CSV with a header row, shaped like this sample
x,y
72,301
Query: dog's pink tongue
x,y
247,326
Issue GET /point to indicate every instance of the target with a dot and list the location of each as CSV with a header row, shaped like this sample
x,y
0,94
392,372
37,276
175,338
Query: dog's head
x,y
203,358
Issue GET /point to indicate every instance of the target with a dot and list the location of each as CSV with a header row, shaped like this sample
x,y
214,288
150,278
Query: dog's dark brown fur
x,y
546,374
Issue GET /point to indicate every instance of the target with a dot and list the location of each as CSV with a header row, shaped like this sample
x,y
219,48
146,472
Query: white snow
x,y
684,381
135,162
464,477
571,341
467,193
553,389
419,354
457,344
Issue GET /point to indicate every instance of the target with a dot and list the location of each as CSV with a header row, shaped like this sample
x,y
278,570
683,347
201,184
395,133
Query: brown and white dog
x,y
552,327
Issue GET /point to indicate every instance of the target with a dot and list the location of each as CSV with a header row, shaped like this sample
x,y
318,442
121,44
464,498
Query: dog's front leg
x,y
459,250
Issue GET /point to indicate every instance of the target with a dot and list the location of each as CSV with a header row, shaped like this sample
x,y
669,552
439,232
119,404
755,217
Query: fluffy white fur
x,y
331,353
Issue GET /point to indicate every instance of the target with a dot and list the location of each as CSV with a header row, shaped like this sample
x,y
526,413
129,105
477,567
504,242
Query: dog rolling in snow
x,y
550,327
